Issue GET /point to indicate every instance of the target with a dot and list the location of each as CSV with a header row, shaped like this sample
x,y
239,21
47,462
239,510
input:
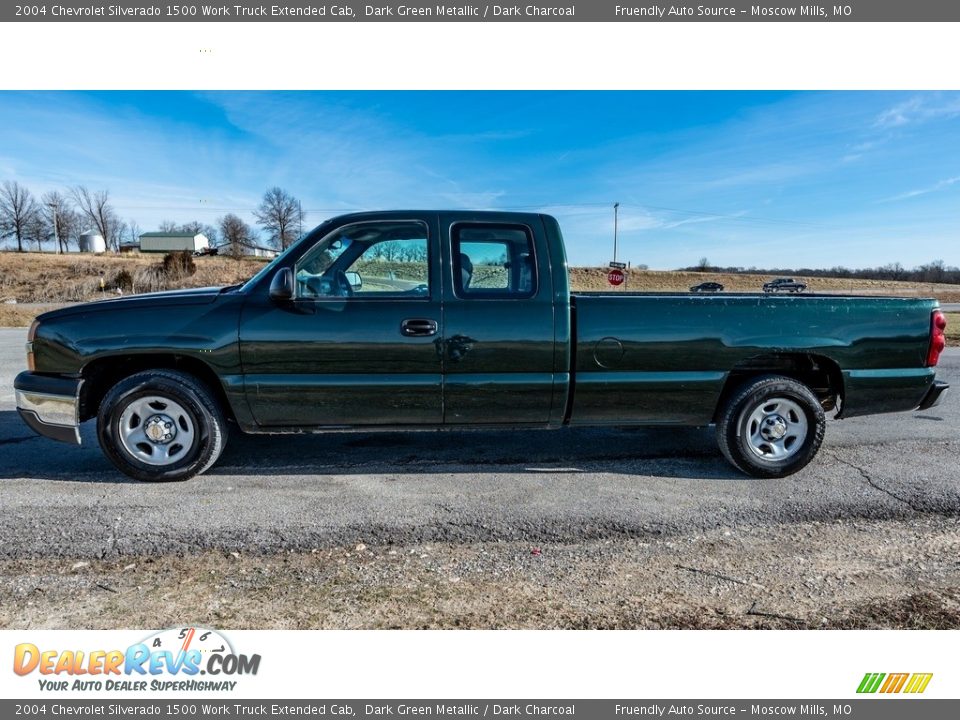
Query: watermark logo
x,y
168,660
912,683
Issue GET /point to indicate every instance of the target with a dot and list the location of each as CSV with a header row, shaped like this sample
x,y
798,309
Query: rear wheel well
x,y
821,374
102,374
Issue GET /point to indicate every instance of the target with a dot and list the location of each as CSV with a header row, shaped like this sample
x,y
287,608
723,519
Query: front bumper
x,y
50,405
934,395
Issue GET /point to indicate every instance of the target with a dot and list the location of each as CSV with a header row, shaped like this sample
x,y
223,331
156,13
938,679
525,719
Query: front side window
x,y
368,260
493,261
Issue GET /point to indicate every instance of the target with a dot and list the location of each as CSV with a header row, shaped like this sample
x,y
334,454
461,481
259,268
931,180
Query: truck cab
x,y
452,318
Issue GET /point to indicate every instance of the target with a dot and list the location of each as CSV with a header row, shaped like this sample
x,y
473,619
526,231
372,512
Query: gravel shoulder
x,y
848,574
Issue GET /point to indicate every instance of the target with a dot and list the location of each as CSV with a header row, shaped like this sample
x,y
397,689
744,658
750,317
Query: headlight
x,y
31,334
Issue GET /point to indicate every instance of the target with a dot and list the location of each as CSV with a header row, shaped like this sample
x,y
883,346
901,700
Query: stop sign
x,y
615,276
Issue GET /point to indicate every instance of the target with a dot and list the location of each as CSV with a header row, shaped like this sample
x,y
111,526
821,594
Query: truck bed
x,y
668,356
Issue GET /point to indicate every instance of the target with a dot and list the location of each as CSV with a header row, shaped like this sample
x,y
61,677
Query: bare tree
x,y
236,234
73,228
57,209
391,250
38,230
18,210
198,228
936,270
96,209
118,231
168,226
703,265
133,232
280,215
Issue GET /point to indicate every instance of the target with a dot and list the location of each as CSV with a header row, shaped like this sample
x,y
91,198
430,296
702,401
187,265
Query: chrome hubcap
x,y
776,429
160,429
156,430
773,428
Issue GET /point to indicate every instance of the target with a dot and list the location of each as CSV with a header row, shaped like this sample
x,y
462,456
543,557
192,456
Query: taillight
x,y
938,339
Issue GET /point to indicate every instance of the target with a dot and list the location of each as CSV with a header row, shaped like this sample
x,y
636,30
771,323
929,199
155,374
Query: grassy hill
x,y
681,281
38,282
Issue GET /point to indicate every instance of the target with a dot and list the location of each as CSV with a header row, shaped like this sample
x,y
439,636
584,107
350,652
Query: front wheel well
x,y
102,374
821,374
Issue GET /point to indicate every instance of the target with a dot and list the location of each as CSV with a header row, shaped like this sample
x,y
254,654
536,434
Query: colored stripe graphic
x,y
894,683
918,682
870,682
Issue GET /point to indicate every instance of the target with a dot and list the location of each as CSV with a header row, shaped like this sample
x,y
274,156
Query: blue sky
x,y
743,178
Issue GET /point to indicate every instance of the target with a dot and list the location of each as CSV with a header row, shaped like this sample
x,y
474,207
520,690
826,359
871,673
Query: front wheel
x,y
161,425
771,427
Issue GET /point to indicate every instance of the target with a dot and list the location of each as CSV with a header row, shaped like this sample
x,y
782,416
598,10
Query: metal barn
x,y
173,242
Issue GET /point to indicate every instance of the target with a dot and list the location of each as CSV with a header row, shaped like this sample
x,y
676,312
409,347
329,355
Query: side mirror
x,y
355,280
281,287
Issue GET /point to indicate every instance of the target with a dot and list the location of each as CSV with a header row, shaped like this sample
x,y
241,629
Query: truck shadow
x,y
658,452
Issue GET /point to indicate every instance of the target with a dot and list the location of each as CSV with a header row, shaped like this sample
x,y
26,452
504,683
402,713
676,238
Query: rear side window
x,y
493,261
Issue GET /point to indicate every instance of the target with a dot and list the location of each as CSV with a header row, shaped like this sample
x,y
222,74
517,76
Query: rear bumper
x,y
50,405
934,395
883,390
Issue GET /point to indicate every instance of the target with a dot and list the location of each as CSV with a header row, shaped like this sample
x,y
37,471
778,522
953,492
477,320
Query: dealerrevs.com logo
x,y
910,683
179,659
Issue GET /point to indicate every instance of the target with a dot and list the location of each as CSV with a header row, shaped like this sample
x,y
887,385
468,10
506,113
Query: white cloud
x,y
942,185
703,219
919,109
473,200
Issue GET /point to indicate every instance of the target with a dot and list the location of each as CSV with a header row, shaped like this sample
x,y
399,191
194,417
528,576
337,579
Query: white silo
x,y
92,242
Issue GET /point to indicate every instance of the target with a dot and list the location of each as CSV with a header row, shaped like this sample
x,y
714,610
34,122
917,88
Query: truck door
x,y
358,343
498,311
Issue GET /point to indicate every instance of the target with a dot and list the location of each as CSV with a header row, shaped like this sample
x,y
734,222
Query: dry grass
x,y
36,278
953,328
883,574
54,280
332,590
666,280
18,316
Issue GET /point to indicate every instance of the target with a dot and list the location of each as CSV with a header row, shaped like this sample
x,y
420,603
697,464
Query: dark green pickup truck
x,y
411,319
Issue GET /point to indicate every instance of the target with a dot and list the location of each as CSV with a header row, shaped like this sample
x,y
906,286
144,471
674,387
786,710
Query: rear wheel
x,y
161,425
771,427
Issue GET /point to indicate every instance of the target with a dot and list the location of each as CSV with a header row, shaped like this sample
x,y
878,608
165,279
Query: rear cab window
x,y
493,261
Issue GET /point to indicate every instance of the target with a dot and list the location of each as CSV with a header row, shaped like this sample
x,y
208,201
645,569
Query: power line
x,y
599,205
699,213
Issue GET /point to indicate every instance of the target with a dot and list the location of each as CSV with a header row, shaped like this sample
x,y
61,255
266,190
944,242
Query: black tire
x,y
196,409
740,432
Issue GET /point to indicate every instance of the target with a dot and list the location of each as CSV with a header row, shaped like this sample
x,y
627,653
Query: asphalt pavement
x,y
311,491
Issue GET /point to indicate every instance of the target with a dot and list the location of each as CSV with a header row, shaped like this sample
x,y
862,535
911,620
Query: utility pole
x,y
56,234
616,208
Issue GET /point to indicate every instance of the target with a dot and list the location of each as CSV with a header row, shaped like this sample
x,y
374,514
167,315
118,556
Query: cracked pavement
x,y
566,486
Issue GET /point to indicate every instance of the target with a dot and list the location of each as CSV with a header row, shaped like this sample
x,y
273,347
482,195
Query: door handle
x,y
418,327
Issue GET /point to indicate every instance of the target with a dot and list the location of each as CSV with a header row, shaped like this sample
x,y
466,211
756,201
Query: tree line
x,y
933,272
62,217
